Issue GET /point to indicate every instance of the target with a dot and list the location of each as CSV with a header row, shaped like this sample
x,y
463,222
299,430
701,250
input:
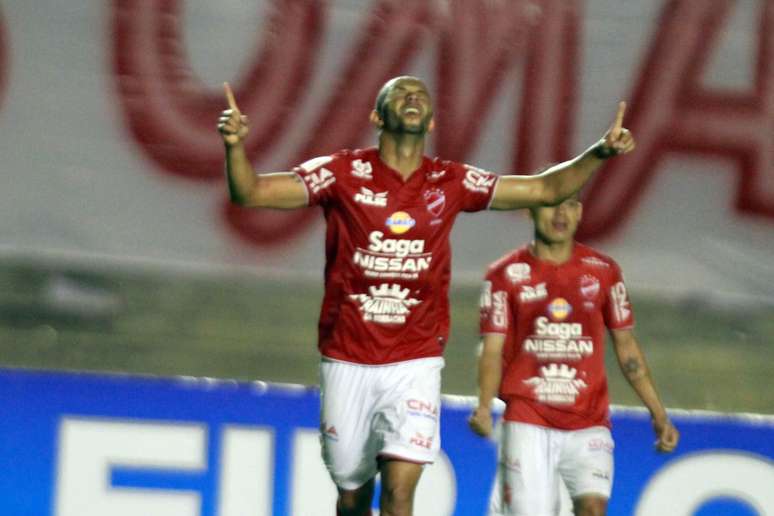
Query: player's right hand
x,y
232,124
480,421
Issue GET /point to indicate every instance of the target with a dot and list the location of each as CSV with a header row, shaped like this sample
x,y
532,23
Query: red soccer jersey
x,y
554,319
387,254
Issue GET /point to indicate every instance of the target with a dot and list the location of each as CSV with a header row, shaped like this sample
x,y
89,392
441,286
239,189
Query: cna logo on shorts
x,y
400,222
559,309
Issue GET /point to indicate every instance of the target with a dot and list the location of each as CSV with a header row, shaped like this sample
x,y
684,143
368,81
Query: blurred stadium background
x,y
119,251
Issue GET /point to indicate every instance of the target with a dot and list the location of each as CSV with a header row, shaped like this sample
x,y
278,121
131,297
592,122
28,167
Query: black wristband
x,y
603,151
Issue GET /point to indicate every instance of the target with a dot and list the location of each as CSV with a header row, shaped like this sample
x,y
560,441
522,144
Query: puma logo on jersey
x,y
366,196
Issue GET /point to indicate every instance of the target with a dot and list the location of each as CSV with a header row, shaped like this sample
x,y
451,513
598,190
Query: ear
x,y
580,212
431,125
375,119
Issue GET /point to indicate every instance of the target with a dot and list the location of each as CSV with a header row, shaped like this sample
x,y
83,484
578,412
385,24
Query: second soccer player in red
x,y
544,310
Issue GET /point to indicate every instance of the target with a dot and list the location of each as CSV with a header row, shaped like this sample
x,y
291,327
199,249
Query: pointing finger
x,y
620,115
618,124
230,97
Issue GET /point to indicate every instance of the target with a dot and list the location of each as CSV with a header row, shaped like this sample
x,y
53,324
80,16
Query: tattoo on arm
x,y
633,368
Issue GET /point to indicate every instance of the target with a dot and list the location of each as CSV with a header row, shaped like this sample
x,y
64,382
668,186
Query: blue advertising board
x,y
78,444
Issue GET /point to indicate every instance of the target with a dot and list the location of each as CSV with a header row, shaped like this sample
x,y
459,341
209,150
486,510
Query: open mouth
x,y
412,111
559,225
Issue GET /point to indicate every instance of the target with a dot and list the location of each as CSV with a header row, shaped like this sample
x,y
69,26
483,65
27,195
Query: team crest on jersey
x,y
589,286
559,309
362,169
400,222
435,200
518,272
366,196
319,180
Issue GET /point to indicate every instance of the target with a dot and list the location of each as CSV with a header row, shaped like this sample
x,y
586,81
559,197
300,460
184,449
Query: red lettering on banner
x,y
671,112
479,46
390,37
171,114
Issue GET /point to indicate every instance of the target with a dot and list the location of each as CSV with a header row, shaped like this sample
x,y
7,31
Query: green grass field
x,y
250,328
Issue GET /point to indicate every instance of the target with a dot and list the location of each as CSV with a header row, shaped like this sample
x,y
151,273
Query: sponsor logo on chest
x,y
518,272
556,385
362,169
400,222
558,340
531,293
370,198
387,304
401,258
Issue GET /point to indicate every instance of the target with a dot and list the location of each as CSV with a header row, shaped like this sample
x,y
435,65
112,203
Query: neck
x,y
402,152
555,252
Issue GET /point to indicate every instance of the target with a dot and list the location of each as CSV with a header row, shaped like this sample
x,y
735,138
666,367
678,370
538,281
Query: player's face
x,y
407,107
557,224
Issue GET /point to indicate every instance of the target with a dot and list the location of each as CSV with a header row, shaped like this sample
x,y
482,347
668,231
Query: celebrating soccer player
x,y
544,310
385,313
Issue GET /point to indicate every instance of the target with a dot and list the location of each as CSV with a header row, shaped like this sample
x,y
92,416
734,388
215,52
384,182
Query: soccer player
x,y
384,319
544,310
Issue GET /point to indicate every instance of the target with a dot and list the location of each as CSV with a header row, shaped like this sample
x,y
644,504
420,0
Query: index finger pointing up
x,y
618,124
230,97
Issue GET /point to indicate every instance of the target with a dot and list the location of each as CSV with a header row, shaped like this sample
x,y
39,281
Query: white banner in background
x,y
108,111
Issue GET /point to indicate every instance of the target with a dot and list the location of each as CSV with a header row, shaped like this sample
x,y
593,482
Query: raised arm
x,y
246,187
489,374
635,369
561,181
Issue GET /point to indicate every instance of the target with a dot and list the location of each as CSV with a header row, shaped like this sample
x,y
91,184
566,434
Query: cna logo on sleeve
x,y
319,180
477,180
400,222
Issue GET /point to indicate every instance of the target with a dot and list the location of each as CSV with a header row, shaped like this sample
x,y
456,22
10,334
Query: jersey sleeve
x,y
494,305
318,176
478,188
618,311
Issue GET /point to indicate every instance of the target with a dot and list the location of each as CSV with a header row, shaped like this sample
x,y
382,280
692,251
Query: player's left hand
x,y
480,421
618,139
667,435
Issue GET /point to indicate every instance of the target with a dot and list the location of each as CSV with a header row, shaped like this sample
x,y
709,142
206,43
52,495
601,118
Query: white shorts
x,y
532,459
367,412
